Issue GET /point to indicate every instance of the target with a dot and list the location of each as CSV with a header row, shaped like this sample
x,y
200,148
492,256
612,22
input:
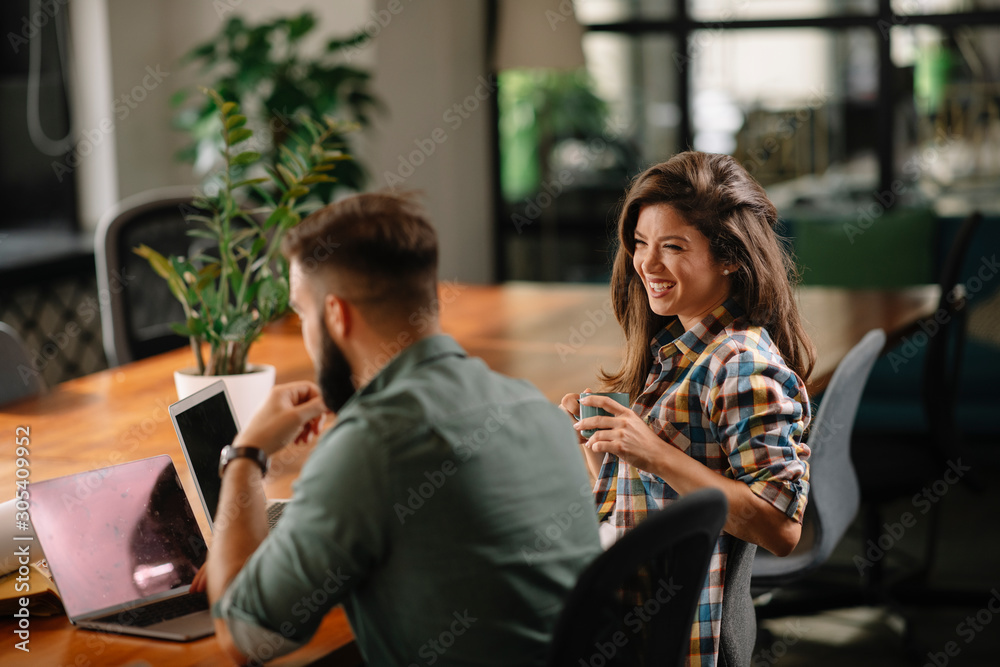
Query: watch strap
x,y
230,453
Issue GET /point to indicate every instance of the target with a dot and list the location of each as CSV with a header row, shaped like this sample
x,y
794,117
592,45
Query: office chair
x,y
920,458
18,377
738,629
658,569
834,495
137,307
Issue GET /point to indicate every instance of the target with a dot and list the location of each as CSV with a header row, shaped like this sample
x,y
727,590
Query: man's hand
x,y
292,412
200,582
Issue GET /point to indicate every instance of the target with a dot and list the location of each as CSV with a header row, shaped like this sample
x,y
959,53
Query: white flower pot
x,y
247,390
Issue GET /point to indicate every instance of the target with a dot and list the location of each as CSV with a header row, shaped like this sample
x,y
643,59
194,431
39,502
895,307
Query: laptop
x,y
205,422
123,547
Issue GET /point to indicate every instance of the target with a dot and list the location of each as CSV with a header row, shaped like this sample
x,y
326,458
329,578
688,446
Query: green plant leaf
x,y
203,219
265,197
206,276
297,192
240,134
165,270
236,328
277,216
229,108
318,178
293,157
235,121
286,174
276,179
245,158
259,243
235,276
181,329
300,25
206,260
250,181
206,50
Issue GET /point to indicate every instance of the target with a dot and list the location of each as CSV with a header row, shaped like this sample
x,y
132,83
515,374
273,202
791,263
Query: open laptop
x,y
123,546
205,422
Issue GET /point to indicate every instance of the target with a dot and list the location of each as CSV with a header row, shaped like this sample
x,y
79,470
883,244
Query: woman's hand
x,y
624,434
632,440
570,404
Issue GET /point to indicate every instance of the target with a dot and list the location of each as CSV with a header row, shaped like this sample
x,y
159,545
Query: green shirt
x,y
448,510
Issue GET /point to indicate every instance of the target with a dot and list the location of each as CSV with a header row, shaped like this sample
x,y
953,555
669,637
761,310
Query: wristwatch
x,y
254,453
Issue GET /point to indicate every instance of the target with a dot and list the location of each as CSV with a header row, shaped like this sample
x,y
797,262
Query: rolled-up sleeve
x,y
760,410
323,546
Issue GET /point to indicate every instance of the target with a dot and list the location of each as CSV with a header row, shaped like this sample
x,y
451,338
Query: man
x,y
445,509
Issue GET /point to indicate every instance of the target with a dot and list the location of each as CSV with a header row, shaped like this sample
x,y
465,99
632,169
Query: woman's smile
x,y
675,261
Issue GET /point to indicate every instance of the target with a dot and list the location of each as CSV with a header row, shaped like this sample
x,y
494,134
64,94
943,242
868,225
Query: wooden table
x,y
557,336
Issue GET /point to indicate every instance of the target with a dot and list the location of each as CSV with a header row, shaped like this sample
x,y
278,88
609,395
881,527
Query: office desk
x,y
555,336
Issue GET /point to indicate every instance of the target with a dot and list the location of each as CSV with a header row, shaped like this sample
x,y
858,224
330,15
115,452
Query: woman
x,y
714,365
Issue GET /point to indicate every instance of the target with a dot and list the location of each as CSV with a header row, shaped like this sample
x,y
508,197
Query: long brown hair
x,y
716,195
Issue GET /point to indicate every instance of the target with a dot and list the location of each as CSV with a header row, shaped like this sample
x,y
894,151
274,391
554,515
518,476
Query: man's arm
x,y
291,412
241,527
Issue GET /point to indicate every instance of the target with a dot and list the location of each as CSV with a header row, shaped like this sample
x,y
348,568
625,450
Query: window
x,y
827,102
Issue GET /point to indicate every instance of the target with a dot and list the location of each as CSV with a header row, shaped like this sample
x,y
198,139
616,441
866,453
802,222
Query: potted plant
x,y
239,283
266,69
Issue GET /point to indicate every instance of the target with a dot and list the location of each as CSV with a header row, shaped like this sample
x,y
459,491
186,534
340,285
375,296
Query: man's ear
x,y
336,317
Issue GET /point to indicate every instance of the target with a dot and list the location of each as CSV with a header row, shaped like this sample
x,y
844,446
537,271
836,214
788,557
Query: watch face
x,y
224,458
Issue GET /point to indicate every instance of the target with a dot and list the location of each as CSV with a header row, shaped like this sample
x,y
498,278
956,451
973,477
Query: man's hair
x,y
376,250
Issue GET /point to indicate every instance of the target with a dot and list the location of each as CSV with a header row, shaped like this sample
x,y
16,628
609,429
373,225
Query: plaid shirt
x,y
721,393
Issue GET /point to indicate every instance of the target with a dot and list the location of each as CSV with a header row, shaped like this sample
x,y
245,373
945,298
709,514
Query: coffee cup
x,y
593,411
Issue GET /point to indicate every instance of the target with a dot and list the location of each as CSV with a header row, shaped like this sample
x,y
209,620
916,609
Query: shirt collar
x,y
673,338
420,352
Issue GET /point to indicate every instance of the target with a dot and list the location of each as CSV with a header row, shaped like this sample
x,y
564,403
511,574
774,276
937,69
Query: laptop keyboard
x,y
274,513
156,612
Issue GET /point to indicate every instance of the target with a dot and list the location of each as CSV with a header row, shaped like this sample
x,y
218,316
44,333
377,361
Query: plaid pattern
x,y
721,393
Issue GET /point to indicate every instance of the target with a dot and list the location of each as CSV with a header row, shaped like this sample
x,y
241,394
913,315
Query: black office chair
x,y
659,567
18,376
920,458
834,495
137,307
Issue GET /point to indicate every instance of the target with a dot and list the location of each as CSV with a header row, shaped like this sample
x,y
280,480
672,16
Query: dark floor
x,y
967,557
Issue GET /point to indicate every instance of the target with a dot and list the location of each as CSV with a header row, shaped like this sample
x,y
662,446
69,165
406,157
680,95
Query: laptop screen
x,y
117,535
204,427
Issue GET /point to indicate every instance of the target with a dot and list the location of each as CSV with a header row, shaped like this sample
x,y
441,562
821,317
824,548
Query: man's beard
x,y
334,376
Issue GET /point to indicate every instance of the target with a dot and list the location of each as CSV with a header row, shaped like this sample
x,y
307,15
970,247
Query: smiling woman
x,y
675,263
714,365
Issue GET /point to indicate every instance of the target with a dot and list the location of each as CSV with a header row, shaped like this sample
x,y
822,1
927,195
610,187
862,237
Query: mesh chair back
x,y
834,493
738,630
137,307
943,363
635,604
18,377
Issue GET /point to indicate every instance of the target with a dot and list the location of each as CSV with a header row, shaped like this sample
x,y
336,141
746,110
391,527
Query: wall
x,y
425,57
432,74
